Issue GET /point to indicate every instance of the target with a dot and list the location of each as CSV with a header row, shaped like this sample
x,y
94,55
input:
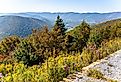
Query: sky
x,y
81,6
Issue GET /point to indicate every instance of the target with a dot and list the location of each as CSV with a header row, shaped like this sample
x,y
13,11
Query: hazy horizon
x,y
79,6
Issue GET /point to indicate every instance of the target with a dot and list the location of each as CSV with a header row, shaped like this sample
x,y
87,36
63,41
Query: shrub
x,y
105,32
91,53
53,70
9,44
26,53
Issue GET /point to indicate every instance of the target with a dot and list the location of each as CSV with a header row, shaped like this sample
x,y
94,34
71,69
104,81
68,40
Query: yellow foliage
x,y
51,71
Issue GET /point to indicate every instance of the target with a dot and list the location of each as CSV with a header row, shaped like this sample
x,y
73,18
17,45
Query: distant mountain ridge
x,y
21,24
71,19
16,25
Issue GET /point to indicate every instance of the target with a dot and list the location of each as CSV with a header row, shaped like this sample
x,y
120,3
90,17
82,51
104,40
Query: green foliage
x,y
104,32
58,35
81,36
53,70
68,44
52,43
59,26
26,53
110,47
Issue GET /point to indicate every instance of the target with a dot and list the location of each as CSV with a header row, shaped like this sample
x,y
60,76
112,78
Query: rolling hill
x,y
21,26
109,23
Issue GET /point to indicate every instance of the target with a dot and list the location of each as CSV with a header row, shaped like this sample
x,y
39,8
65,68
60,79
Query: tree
x,y
59,26
42,40
58,34
51,43
81,34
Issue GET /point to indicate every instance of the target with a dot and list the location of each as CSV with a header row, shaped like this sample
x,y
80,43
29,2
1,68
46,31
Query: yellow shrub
x,y
53,70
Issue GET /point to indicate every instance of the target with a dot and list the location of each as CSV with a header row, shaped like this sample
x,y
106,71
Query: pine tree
x,y
59,26
58,35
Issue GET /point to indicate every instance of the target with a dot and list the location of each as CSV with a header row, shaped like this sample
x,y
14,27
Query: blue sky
x,y
82,6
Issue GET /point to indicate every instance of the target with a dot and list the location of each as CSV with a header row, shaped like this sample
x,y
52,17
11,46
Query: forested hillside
x,y
20,26
49,55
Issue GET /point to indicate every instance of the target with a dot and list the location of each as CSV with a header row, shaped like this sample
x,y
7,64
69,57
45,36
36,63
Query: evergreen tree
x,y
59,26
81,34
58,35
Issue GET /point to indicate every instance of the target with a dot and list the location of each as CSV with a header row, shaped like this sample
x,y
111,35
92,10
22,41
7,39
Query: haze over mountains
x,y
22,23
21,26
70,17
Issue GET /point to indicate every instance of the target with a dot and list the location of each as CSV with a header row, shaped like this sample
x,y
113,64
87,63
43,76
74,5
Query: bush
x,y
104,32
53,70
91,53
9,44
26,53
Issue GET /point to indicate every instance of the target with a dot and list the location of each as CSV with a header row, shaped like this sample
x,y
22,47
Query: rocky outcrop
x,y
110,67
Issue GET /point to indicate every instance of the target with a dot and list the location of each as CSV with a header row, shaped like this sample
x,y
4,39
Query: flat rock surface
x,y
109,66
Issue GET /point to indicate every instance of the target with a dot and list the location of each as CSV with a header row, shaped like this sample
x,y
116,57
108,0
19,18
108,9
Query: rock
x,y
110,67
